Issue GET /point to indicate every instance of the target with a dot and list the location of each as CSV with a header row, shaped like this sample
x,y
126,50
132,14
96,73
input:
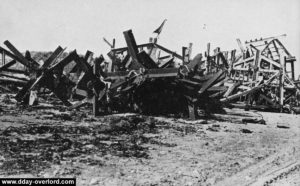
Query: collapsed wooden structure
x,y
263,76
149,78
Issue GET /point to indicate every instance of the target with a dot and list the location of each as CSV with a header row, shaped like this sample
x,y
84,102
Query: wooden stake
x,y
3,58
193,114
95,98
281,81
293,70
184,55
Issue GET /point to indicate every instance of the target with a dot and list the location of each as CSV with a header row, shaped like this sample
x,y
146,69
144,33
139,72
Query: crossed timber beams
x,y
139,69
89,84
48,75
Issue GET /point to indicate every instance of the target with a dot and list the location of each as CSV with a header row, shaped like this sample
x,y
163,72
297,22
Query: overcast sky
x,y
43,25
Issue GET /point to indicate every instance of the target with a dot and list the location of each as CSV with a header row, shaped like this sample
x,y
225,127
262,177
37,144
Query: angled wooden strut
x,y
211,81
20,57
132,50
139,59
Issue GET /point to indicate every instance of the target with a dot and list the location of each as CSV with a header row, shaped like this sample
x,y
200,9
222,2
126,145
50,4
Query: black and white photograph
x,y
150,92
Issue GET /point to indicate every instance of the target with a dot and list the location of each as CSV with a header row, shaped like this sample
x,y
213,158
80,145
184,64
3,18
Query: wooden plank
x,y
58,51
243,106
193,83
210,82
247,69
270,61
96,68
164,72
20,57
14,77
7,65
184,56
281,81
217,58
3,58
79,104
221,80
151,73
239,94
240,46
221,92
15,71
167,63
60,65
190,51
208,49
168,51
146,61
217,88
256,65
123,49
12,81
81,92
196,61
8,53
193,114
293,70
37,81
231,89
165,57
283,47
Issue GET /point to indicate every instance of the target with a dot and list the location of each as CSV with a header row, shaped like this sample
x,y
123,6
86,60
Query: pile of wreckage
x,y
151,79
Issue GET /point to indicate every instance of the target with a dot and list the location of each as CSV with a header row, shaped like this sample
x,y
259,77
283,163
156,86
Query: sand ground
x,y
128,149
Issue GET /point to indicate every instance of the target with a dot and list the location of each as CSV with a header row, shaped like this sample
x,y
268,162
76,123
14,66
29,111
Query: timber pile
x,y
139,80
151,79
